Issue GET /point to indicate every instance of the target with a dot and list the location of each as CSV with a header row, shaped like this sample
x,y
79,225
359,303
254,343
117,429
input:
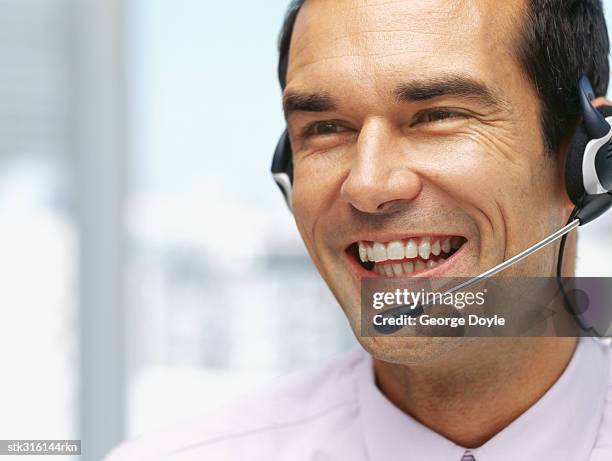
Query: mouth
x,y
405,258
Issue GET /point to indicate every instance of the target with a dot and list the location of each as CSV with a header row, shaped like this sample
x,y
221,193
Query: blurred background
x,y
150,269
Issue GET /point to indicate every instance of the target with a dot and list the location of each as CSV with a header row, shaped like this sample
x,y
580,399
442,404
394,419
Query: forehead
x,y
370,43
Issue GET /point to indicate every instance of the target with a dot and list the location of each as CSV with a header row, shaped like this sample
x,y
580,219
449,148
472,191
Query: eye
x,y
324,128
438,116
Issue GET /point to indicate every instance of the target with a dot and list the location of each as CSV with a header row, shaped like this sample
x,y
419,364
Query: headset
x,y
588,181
282,166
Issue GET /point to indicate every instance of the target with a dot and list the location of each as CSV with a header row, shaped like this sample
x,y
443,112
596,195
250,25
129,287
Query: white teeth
x,y
395,250
394,270
363,252
446,245
371,252
425,248
411,250
397,270
419,265
418,250
379,252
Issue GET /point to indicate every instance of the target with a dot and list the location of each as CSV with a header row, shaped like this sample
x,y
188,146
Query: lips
x,y
405,257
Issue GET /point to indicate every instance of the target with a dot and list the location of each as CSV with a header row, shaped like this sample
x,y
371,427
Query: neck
x,y
469,401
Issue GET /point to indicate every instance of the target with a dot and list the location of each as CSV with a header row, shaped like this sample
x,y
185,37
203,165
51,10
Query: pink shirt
x,y
337,413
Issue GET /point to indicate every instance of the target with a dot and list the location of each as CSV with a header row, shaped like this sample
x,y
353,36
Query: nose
x,y
381,177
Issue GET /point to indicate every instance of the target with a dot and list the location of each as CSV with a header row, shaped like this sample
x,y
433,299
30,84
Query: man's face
x,y
415,129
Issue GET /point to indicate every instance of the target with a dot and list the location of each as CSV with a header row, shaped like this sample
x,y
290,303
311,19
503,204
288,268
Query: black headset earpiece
x,y
282,166
588,167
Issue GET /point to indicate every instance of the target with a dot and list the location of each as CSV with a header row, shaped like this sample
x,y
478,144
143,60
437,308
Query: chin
x,y
411,350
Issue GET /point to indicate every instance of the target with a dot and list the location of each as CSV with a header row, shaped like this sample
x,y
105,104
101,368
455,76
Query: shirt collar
x,y
562,425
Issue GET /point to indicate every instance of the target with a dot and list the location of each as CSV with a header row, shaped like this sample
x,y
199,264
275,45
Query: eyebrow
x,y
415,90
451,85
307,102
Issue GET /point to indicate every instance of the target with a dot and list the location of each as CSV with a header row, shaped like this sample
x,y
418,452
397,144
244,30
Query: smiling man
x,y
428,140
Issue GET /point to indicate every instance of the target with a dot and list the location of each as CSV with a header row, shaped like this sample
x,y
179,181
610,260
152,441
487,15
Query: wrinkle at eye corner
x,y
493,144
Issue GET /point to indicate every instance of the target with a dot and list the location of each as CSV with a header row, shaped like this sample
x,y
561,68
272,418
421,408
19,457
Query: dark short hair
x,y
560,40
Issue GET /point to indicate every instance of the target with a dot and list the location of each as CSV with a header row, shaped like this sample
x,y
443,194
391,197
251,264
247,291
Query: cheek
x,y
491,169
316,186
313,195
499,180
305,204
304,213
512,190
474,174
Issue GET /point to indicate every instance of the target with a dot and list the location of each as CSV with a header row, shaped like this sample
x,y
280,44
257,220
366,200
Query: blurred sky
x,y
206,107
